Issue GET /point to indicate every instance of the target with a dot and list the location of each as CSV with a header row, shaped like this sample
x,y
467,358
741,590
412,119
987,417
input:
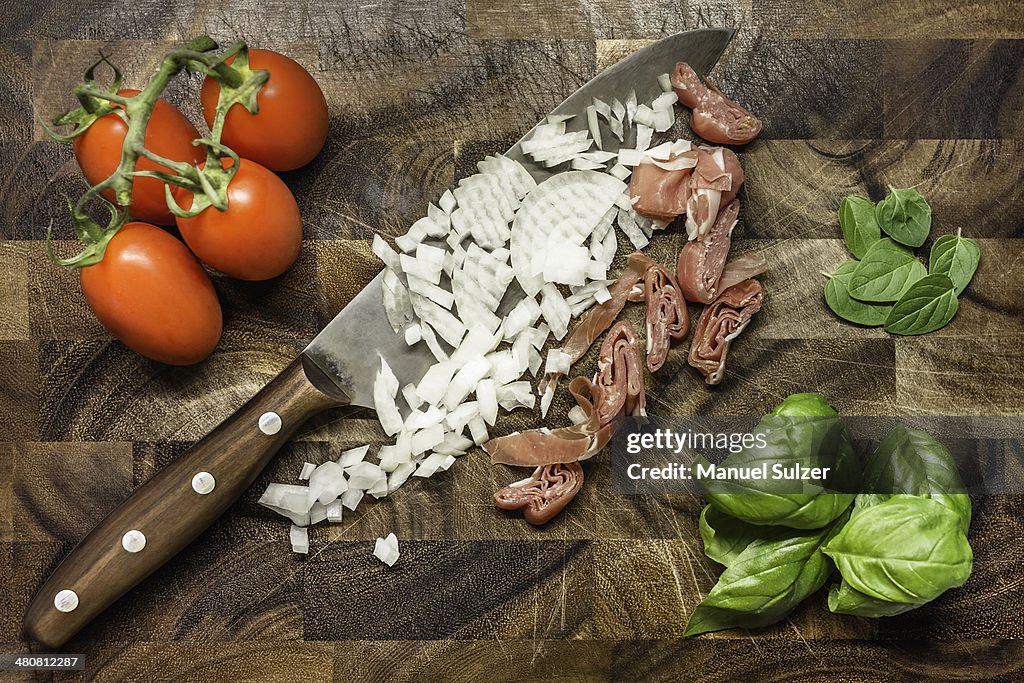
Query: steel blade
x,y
349,348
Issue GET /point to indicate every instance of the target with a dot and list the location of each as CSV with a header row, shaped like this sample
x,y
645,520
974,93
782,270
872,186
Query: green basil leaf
x,y
956,257
837,296
910,461
857,219
844,599
766,581
930,303
905,216
725,537
885,273
907,549
812,441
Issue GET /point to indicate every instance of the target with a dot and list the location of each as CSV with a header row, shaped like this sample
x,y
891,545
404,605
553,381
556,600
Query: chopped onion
x,y
465,381
478,430
435,381
581,307
307,469
566,264
420,419
556,312
628,225
516,395
454,444
447,202
425,439
522,315
619,171
534,361
487,400
334,511
327,482
558,362
458,418
435,348
413,334
288,500
594,126
396,300
353,455
440,319
663,119
389,459
385,389
385,253
618,110
644,135
579,164
630,157
412,399
400,475
602,295
380,487
480,285
662,152
505,367
665,82
363,475
511,171
631,108
386,549
420,230
577,415
317,513
351,498
299,537
479,341
441,297
432,464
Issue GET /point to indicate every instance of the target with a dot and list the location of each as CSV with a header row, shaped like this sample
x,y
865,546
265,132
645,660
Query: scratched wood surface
x,y
854,95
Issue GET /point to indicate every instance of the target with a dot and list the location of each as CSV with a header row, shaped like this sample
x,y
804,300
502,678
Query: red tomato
x,y
259,235
291,125
152,294
169,134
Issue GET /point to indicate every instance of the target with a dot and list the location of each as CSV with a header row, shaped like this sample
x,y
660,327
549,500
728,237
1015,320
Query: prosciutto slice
x,y
619,382
720,323
715,117
702,260
544,493
714,183
667,317
663,194
596,320
545,446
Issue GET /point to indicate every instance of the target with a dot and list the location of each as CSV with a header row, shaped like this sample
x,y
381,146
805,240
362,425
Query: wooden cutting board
x,y
854,96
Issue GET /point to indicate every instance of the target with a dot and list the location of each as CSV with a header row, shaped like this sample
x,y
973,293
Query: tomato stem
x,y
239,85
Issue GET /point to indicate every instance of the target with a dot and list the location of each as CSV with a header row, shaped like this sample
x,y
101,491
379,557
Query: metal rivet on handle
x,y
270,423
203,483
133,541
66,601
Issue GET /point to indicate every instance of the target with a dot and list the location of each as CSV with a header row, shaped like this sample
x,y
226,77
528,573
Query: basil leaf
x,y
837,296
766,581
844,599
930,303
857,219
905,216
886,272
725,537
956,257
909,461
789,441
907,549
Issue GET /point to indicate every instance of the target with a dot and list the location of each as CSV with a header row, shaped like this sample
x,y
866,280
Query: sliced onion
x,y
478,430
327,482
465,381
440,319
487,400
555,311
307,469
299,537
441,297
351,498
425,439
435,381
385,253
385,389
427,332
386,549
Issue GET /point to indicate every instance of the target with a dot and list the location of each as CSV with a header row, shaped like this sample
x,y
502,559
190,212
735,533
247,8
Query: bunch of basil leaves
x,y
885,283
899,544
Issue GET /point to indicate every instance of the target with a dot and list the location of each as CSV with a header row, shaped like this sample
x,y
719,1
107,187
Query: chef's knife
x,y
338,368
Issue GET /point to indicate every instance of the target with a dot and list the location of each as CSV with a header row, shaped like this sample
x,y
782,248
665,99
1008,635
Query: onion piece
x,y
487,400
299,537
353,455
644,135
386,549
458,418
422,229
334,511
440,319
288,500
435,381
618,110
631,107
665,83
619,171
566,264
397,303
555,311
453,444
327,482
380,487
385,389
363,475
400,475
447,202
422,419
516,395
425,439
521,317
464,382
628,224
412,399
385,253
579,164
511,171
433,463
505,367
413,334
351,498
480,285
439,296
427,332
577,415
307,469
389,458
478,430
594,126
479,341
558,361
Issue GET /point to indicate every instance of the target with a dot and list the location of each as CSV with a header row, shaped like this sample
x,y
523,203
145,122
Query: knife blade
x,y
341,350
338,368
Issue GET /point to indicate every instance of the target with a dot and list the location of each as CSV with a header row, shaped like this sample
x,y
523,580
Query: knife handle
x,y
174,507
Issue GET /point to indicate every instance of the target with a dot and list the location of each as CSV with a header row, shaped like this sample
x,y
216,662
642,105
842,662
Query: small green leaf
x,y
837,296
857,219
886,272
956,257
930,303
844,599
725,537
905,216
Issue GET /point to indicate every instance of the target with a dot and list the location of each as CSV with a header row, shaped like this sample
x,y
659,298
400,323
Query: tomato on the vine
x,y
290,127
152,294
168,133
257,237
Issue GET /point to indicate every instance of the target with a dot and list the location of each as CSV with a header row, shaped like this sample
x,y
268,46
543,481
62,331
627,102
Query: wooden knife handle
x,y
170,510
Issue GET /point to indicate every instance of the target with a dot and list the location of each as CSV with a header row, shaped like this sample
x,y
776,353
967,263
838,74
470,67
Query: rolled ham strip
x,y
716,118
714,183
663,192
667,318
544,493
619,382
701,261
720,323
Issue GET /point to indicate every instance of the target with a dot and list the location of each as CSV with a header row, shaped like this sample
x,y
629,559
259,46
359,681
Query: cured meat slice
x,y
544,493
716,118
619,382
701,261
720,323
667,317
663,194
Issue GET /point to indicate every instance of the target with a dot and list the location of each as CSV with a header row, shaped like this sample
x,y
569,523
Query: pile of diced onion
x,y
445,285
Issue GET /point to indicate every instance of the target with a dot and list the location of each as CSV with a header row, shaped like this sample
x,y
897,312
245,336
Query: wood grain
x,y
926,94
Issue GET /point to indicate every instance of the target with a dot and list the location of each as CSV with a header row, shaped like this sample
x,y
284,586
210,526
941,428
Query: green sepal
x,y
89,232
